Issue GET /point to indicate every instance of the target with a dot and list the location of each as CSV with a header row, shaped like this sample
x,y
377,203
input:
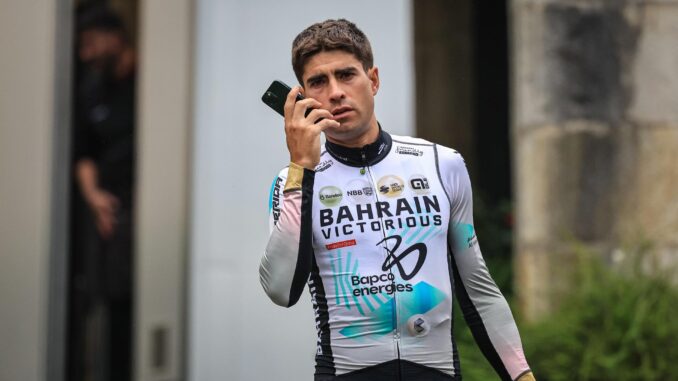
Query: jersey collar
x,y
369,154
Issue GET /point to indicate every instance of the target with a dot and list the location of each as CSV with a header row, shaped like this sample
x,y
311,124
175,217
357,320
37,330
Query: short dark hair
x,y
98,17
328,35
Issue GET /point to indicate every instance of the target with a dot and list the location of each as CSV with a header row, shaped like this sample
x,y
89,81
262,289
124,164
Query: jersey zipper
x,y
396,329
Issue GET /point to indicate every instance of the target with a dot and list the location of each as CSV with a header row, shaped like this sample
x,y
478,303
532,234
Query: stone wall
x,y
595,135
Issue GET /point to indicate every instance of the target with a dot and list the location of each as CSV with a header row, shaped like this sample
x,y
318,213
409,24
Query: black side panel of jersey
x,y
450,266
303,267
477,327
324,363
455,352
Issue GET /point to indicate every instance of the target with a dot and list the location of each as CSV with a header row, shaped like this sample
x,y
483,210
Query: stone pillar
x,y
595,134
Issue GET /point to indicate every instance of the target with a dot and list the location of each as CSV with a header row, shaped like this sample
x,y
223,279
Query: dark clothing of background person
x,y
104,133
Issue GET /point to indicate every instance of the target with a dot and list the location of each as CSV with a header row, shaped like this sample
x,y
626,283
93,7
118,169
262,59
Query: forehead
x,y
93,34
327,61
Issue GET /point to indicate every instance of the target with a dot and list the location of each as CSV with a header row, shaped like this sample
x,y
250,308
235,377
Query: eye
x,y
344,76
316,82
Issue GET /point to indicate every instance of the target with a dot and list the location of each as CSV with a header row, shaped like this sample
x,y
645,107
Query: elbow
x,y
274,290
279,298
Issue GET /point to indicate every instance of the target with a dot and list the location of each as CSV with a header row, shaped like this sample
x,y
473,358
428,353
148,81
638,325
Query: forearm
x,y
484,307
86,175
286,264
488,314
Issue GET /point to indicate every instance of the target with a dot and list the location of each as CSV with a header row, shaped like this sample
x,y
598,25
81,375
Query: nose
x,y
336,91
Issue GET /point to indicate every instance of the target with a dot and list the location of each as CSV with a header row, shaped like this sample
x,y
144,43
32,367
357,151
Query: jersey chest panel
x,y
380,242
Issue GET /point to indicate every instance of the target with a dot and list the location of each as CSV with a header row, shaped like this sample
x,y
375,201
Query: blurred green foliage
x,y
617,324
619,321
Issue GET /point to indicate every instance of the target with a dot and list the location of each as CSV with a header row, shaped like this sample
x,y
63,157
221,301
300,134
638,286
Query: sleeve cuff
x,y
528,376
295,177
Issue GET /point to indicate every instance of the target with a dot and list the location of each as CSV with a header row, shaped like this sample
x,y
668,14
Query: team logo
x,y
396,259
391,186
330,195
360,191
419,184
409,151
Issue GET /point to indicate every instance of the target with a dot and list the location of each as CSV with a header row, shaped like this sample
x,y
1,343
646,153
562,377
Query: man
x,y
104,173
381,228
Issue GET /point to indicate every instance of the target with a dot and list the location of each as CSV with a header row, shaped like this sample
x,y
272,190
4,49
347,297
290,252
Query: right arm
x,y
286,264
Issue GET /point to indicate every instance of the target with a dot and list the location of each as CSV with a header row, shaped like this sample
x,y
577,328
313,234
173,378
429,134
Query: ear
x,y
373,75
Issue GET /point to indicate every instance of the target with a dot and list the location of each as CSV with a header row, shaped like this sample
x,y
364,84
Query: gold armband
x,y
526,377
295,175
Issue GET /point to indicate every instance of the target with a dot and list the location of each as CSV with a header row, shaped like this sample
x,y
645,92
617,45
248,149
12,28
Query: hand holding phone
x,y
276,95
302,132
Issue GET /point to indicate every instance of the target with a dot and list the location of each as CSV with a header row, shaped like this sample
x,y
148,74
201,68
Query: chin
x,y
343,130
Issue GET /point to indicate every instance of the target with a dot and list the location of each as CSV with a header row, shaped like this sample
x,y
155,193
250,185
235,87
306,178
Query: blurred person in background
x,y
104,152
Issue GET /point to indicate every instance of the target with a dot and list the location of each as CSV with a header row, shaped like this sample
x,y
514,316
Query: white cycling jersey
x,y
382,236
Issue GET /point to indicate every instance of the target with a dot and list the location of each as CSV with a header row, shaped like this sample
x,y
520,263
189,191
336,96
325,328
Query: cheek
x,y
317,95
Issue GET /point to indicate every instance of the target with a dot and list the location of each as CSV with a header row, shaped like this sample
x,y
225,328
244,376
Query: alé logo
x,y
395,258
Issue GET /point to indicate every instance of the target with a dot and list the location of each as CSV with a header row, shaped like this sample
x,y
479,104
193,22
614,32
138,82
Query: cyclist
x,y
380,227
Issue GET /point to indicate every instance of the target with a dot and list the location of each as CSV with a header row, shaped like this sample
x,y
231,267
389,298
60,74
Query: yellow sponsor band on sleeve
x,y
295,176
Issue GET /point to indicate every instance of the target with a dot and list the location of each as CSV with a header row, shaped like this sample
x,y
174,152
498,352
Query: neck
x,y
362,140
367,154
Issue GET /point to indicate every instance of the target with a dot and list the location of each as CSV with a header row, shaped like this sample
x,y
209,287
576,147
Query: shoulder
x,y
445,155
409,140
450,157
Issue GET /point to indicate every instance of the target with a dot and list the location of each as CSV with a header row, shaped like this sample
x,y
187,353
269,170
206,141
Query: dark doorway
x,y
491,105
462,101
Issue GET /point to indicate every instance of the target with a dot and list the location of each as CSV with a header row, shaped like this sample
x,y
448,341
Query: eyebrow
x,y
344,70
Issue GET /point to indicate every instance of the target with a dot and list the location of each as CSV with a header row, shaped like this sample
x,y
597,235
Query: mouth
x,y
341,112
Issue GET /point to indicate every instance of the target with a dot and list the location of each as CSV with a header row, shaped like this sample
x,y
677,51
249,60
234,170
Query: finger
x,y
103,208
318,113
290,101
301,106
327,123
106,207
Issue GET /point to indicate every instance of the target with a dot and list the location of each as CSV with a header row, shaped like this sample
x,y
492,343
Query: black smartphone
x,y
276,95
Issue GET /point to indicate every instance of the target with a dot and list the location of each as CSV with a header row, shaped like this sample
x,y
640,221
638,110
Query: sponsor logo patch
x,y
360,191
419,184
391,186
330,195
409,151
275,199
323,165
339,245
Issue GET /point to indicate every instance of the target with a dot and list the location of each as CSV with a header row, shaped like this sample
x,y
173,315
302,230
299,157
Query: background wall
x,y
235,331
34,99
